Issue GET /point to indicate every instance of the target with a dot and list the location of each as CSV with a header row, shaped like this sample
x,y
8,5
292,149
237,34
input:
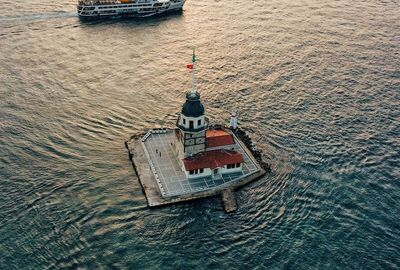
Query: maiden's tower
x,y
195,159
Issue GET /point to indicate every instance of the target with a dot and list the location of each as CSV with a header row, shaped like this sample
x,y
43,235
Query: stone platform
x,y
164,182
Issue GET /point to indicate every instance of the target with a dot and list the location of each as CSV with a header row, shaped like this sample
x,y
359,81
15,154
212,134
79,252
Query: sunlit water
x,y
316,84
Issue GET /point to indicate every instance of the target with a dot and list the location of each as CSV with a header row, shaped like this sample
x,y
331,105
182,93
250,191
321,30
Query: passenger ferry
x,y
126,8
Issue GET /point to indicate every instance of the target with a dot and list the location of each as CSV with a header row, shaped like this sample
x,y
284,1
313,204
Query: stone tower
x,y
192,125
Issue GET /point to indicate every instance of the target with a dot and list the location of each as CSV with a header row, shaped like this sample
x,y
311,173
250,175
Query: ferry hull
x,y
133,15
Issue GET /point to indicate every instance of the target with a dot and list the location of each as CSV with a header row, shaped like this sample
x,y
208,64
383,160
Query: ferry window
x,y
199,122
237,165
191,172
191,124
201,170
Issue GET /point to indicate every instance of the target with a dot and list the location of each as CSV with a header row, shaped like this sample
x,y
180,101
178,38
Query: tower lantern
x,y
234,121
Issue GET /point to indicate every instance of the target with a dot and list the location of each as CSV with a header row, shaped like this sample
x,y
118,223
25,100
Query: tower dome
x,y
193,106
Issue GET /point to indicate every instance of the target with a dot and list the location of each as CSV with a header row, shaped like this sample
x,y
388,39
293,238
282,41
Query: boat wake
x,y
40,16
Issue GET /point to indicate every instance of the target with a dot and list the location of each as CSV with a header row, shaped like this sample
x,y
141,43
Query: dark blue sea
x,y
316,84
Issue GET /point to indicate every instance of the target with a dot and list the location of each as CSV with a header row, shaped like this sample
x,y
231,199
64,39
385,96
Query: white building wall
x,y
233,170
194,119
207,172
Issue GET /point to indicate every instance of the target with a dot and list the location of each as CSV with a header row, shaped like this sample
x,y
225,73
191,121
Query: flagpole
x,y
193,73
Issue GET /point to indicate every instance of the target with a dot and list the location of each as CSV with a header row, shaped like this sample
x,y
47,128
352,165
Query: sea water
x,y
315,83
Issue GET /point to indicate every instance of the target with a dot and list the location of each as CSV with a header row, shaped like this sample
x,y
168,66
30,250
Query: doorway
x,y
216,173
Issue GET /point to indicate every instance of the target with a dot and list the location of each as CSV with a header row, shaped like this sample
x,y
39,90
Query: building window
x,y
232,166
191,124
199,122
184,121
196,171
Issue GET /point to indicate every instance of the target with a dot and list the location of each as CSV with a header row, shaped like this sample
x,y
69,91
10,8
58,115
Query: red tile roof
x,y
212,159
215,138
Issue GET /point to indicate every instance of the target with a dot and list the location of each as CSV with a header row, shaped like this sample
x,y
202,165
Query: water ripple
x,y
316,86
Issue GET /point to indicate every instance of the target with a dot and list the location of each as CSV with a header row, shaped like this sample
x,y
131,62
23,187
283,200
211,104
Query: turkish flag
x,y
189,66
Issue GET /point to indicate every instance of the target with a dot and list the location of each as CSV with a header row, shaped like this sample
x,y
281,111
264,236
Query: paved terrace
x,y
171,179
